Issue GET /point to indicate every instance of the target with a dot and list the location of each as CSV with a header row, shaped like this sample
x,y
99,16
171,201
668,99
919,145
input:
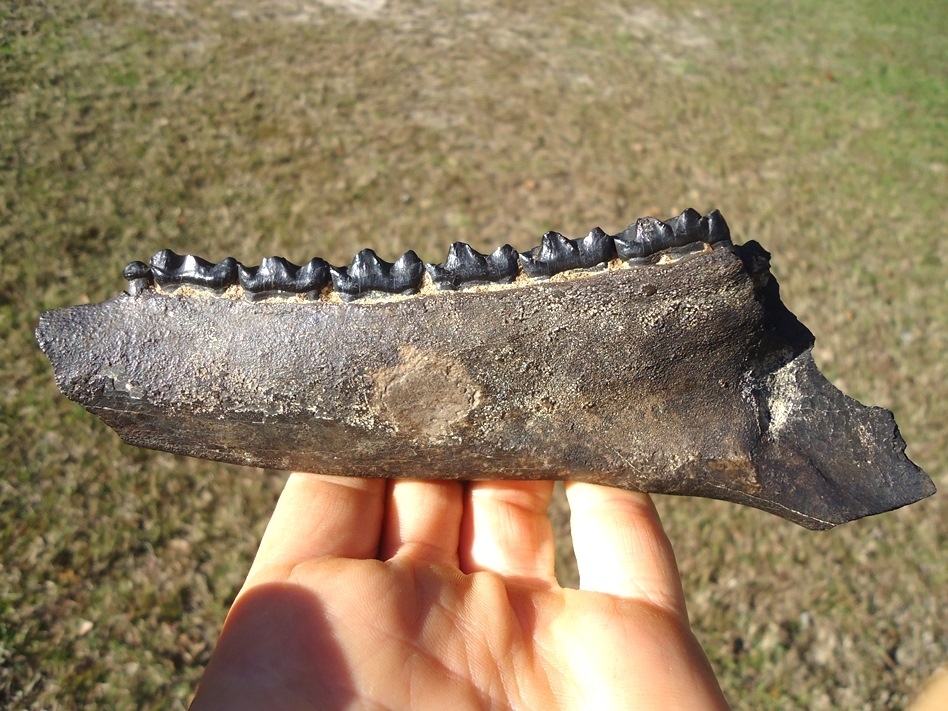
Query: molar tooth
x,y
714,229
174,270
626,246
351,281
555,254
643,238
647,235
139,277
554,246
370,273
558,254
274,275
462,256
654,233
596,248
465,266
503,264
216,276
369,268
686,227
407,272
165,266
313,277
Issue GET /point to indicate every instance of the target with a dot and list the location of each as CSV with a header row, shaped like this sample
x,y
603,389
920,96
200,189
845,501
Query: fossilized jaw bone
x,y
660,359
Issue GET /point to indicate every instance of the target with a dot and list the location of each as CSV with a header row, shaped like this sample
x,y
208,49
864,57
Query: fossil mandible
x,y
660,359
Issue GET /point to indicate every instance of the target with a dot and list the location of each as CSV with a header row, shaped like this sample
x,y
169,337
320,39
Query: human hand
x,y
441,595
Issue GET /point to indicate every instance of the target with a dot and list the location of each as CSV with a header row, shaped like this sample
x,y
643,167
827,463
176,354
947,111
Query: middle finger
x,y
505,530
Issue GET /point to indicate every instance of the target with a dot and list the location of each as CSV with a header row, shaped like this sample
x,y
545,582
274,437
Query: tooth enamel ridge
x,y
276,276
369,273
596,248
645,237
557,253
685,225
172,270
464,267
713,229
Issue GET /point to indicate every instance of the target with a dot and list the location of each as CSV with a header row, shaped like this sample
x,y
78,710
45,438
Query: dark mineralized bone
x,y
677,370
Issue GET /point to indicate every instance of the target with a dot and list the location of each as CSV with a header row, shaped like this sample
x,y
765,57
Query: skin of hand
x,y
374,594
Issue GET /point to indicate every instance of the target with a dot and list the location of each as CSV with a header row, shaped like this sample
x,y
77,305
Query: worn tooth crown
x,y
312,277
596,248
557,253
648,236
713,229
173,270
277,275
654,234
466,262
503,264
407,272
165,265
627,246
273,275
136,270
369,273
463,267
466,266
686,226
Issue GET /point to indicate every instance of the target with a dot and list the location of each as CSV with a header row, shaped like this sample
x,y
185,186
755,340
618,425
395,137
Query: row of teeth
x,y
464,266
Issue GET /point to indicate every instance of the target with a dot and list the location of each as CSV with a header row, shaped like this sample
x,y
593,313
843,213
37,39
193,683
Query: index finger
x,y
319,515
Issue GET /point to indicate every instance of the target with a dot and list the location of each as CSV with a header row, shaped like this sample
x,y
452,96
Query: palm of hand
x,y
424,595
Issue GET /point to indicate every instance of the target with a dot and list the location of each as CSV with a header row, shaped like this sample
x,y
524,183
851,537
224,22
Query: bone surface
x,y
660,359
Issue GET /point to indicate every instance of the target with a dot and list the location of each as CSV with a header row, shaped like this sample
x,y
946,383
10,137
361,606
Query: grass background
x,y
306,128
